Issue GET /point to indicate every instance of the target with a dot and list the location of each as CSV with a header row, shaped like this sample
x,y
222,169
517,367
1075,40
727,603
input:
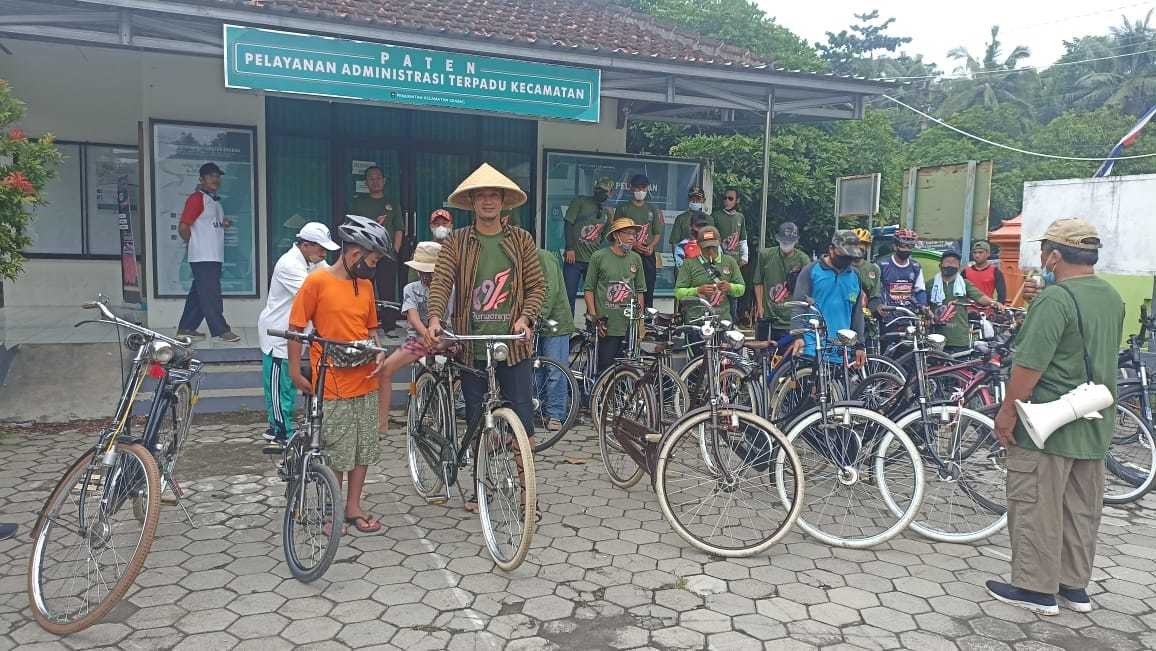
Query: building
x,y
122,82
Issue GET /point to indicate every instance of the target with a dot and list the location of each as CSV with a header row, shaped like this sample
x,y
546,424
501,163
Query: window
x,y
80,217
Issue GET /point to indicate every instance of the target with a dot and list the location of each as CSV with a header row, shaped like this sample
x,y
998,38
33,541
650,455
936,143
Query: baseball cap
x,y
210,168
606,183
846,242
317,233
441,213
788,233
982,245
699,219
1075,233
696,193
708,236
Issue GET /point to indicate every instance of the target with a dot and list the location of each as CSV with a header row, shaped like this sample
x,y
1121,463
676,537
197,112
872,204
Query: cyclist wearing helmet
x,y
833,286
868,271
339,302
902,277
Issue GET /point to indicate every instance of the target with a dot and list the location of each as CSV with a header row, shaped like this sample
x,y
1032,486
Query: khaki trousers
x,y
1054,508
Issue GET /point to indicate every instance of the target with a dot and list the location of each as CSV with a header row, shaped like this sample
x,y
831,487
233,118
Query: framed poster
x,y
178,151
571,174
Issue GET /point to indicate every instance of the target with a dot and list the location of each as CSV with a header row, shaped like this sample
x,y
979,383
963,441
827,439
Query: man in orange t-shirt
x,y
339,302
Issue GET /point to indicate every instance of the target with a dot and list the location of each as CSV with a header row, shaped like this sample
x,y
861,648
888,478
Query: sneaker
x,y
229,336
553,425
1075,599
1037,602
192,334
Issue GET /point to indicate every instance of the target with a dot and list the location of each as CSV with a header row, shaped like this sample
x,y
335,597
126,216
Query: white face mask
x,y
787,248
639,195
696,206
441,232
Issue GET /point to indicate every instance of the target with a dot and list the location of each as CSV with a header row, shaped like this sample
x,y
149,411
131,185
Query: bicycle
x,y
504,483
711,460
91,538
1130,462
553,387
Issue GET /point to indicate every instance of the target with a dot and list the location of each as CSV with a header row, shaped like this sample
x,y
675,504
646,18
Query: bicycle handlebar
x,y
449,336
106,316
314,339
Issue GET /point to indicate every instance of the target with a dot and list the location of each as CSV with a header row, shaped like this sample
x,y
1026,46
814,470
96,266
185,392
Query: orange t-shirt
x,y
336,313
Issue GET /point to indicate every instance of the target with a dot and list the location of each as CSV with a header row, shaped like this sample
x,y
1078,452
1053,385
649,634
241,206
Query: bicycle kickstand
x,y
180,494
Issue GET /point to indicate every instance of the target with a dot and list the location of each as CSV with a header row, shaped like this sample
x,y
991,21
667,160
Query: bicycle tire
x,y
879,391
317,477
1125,468
957,525
638,404
754,451
785,386
691,375
425,465
510,555
543,443
820,449
62,496
172,429
738,389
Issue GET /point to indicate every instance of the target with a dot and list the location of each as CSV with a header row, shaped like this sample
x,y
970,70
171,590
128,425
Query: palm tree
x,y
1125,82
993,81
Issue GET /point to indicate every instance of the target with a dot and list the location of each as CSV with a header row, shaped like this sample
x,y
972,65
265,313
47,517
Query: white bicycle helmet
x,y
367,234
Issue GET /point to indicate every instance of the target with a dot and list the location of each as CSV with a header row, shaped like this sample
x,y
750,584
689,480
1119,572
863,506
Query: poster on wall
x,y
178,151
130,279
573,174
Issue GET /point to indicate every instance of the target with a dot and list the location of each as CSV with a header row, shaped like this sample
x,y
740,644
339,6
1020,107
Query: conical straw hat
x,y
487,177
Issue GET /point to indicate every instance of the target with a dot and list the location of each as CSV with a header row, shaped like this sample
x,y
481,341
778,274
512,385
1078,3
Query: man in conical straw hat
x,y
500,284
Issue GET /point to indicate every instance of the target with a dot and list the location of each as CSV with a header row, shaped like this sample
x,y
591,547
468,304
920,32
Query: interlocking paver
x,y
256,626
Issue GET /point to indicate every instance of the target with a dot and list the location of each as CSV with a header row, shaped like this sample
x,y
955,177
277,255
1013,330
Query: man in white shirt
x,y
305,256
202,226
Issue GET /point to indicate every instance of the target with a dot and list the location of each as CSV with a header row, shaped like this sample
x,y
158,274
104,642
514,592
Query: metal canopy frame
x,y
648,88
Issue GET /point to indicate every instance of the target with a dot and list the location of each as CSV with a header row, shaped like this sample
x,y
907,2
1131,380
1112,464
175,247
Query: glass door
x,y
435,176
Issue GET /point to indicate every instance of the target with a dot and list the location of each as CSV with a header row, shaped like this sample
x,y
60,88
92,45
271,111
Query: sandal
x,y
471,503
371,525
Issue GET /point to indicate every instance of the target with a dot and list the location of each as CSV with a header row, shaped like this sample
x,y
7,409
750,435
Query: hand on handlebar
x,y
795,348
522,326
433,333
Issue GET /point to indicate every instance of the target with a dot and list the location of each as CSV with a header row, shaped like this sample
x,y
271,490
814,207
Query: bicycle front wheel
x,y
1130,464
623,398
556,398
838,452
311,528
721,497
90,545
506,489
430,415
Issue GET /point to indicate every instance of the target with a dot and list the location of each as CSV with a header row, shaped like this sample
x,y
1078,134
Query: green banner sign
x,y
262,59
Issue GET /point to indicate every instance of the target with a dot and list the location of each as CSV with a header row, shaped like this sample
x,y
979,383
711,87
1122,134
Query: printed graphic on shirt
x,y
780,292
731,243
591,232
644,234
492,298
945,313
900,292
618,292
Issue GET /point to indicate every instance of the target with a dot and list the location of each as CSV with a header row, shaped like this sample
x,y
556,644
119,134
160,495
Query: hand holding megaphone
x,y
1043,419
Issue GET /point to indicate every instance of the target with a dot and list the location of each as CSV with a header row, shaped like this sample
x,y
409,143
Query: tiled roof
x,y
593,26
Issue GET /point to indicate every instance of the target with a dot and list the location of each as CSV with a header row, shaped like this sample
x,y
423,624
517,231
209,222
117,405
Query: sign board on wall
x,y
263,59
178,151
940,198
572,174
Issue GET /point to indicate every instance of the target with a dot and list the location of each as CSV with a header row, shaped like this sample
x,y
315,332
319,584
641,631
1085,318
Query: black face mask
x,y
948,272
360,269
600,195
902,255
841,262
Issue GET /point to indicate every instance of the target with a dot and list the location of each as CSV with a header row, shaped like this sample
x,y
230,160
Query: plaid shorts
x,y
415,346
351,437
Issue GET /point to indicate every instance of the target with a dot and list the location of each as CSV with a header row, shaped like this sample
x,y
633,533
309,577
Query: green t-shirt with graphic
x,y
586,224
956,330
648,218
680,229
557,306
380,210
614,279
732,230
1050,342
694,272
491,308
774,269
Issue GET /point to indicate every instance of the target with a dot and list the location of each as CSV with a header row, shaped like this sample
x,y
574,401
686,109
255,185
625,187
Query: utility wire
x,y
1076,17
1009,147
1015,70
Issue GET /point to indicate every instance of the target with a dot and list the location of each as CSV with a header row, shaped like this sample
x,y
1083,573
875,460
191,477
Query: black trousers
x,y
514,382
609,348
385,287
204,300
650,271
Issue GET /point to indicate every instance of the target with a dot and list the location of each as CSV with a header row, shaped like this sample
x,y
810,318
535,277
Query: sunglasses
x,y
730,198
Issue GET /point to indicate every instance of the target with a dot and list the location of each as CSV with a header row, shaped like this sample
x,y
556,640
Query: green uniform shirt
x,y
732,230
1050,343
557,305
956,331
648,218
490,310
586,223
614,279
774,267
869,277
381,210
680,229
693,273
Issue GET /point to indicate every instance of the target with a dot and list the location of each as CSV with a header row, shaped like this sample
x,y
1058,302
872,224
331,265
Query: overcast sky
x,y
937,27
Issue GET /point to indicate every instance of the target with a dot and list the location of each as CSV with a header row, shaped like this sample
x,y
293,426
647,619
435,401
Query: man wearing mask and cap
x,y
305,256
202,226
902,278
688,246
775,282
682,228
713,275
986,276
1055,493
732,227
586,220
651,223
945,293
374,205
832,283
441,224
614,278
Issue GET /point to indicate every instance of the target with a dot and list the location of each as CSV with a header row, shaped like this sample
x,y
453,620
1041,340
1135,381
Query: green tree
x,y
25,166
1127,82
854,52
993,81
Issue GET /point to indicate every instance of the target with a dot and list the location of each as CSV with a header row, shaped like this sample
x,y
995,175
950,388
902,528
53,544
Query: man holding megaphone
x,y
1056,423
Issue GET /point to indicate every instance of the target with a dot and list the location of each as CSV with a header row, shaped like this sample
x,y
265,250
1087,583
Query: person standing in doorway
x,y
305,256
651,223
775,283
615,277
1055,493
586,221
374,205
202,226
986,276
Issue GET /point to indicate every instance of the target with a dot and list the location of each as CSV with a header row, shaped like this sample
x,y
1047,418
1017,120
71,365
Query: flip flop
x,y
371,525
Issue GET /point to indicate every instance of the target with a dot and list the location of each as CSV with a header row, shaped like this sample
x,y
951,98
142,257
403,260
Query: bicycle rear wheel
x,y
429,415
507,489
548,375
723,500
623,397
1130,464
314,504
965,499
841,467
89,545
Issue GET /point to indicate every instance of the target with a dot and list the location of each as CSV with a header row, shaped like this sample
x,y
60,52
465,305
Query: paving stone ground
x,y
605,572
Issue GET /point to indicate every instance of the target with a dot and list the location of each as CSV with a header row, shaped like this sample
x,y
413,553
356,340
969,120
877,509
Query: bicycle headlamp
x,y
501,352
736,337
161,352
847,337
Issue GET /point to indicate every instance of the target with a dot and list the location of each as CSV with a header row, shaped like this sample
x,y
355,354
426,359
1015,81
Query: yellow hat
x,y
487,177
620,224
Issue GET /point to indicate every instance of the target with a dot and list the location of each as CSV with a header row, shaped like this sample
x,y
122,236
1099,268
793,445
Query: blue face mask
x,y
1049,278
696,206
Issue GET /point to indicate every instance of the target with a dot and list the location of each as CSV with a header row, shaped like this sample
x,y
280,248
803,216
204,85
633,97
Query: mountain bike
x,y
94,532
496,445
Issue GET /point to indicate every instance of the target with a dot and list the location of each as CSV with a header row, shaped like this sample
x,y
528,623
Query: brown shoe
x,y
229,337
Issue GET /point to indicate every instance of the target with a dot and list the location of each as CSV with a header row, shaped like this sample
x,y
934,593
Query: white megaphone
x,y
1085,401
